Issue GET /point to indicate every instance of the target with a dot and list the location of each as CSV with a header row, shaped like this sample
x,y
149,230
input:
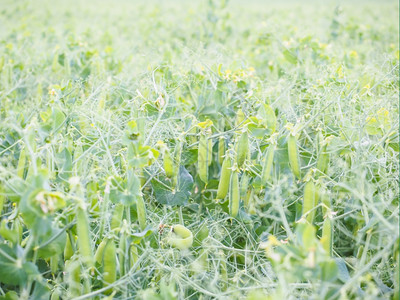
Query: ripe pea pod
x,y
178,155
69,249
180,237
2,197
202,163
133,255
98,256
326,201
200,235
109,264
21,163
326,238
117,215
267,165
309,200
141,212
244,184
242,149
209,152
239,117
223,184
323,160
84,238
54,263
73,278
294,155
221,150
234,195
251,207
122,249
223,270
168,164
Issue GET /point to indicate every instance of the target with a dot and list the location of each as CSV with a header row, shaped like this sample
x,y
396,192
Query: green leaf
x,y
137,237
11,295
56,246
12,269
174,196
290,56
329,270
125,191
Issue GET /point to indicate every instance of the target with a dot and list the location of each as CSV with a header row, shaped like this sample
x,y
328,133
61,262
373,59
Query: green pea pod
x,y
326,201
98,256
168,164
117,215
133,255
294,156
21,163
323,160
122,253
244,184
54,263
68,250
73,278
109,264
267,165
209,152
223,184
2,197
223,270
84,238
221,150
180,237
200,235
141,212
239,118
234,195
309,200
326,238
242,149
202,163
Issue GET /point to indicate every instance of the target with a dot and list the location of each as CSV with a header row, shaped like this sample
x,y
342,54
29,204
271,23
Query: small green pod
x,y
323,160
223,185
2,197
242,149
54,263
202,164
141,212
98,256
122,253
223,270
68,250
293,156
117,215
267,165
326,238
234,195
244,184
168,164
309,200
133,255
84,238
21,163
73,270
209,152
221,150
109,264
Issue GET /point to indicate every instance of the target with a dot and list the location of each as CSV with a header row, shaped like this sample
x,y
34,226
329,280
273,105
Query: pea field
x,y
206,149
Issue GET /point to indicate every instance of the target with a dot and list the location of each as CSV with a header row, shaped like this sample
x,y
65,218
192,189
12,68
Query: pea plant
x,y
199,150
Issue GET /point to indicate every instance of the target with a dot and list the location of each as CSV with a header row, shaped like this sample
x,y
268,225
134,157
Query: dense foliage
x,y
199,150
